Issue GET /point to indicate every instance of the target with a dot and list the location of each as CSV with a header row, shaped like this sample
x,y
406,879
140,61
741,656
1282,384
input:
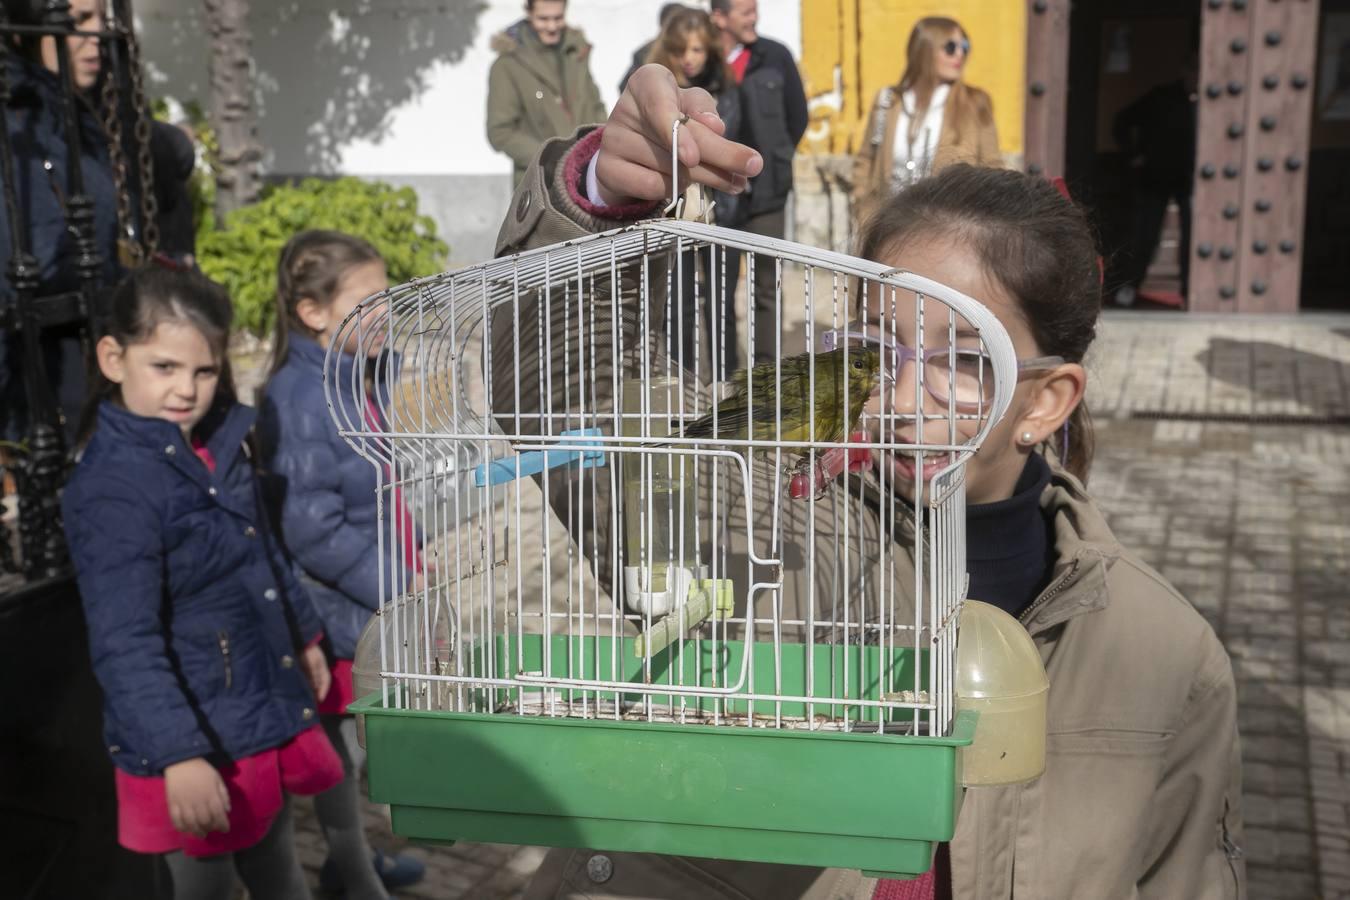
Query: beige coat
x,y
968,135
1141,793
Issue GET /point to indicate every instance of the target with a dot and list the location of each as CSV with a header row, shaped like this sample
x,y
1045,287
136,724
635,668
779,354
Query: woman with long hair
x,y
34,115
927,121
690,47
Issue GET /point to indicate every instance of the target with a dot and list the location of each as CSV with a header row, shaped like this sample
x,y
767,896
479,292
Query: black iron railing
x,y
40,461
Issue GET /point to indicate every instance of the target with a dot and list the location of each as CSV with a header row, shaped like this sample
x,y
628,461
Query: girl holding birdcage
x,y
1141,790
329,511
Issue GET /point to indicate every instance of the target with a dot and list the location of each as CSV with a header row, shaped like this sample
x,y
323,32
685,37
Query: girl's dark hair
x,y
1037,243
311,266
141,302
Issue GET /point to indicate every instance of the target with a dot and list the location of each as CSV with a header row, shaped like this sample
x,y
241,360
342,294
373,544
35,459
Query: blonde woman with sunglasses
x,y
927,121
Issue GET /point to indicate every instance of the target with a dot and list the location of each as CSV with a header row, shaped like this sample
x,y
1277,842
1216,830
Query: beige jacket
x,y
1141,793
968,135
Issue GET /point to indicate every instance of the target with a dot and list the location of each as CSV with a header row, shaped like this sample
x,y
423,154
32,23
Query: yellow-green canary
x,y
833,421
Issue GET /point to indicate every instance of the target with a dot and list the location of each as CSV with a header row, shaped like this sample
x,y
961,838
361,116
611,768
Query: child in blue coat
x,y
204,643
326,496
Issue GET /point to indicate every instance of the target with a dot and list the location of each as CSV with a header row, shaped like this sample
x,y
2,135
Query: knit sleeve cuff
x,y
579,176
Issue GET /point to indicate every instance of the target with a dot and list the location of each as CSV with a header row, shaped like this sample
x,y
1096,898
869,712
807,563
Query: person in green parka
x,y
540,86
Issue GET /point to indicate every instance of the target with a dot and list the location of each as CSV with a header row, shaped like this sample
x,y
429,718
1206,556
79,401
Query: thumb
x,y
224,793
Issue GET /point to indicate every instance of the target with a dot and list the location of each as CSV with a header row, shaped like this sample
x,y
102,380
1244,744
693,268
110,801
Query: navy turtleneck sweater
x,y
1009,553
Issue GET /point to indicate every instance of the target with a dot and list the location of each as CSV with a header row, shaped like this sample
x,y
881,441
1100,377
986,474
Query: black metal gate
x,y
57,803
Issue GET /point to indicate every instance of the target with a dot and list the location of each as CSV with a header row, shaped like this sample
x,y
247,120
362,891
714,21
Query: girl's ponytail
x,y
1080,440
283,324
311,267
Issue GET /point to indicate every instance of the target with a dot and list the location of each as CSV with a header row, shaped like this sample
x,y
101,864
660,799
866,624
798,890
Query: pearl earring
x,y
1027,437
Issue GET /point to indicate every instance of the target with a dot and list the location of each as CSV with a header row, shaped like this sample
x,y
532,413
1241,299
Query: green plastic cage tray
x,y
872,800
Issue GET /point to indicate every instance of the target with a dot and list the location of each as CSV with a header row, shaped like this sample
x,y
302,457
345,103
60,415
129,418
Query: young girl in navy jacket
x,y
325,494
204,643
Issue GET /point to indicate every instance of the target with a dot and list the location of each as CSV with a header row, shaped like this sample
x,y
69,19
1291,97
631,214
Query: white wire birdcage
x,y
584,560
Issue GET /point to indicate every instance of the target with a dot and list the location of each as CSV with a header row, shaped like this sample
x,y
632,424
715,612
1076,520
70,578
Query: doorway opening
x,y
1130,141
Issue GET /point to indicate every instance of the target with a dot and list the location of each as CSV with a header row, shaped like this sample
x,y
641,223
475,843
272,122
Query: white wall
x,y
390,87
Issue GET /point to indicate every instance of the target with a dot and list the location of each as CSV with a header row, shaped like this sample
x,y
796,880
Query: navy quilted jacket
x,y
194,616
325,493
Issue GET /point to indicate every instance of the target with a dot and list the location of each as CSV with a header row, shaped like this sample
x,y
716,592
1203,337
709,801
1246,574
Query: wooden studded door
x,y
1047,85
1256,79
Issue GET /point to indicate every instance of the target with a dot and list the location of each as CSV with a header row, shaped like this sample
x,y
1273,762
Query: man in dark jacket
x,y
1157,134
773,109
175,158
541,85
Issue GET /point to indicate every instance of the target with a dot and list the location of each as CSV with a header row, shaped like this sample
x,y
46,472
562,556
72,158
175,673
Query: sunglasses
x,y
952,46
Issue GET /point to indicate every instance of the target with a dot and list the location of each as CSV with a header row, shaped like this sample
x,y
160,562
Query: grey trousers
x,y
269,869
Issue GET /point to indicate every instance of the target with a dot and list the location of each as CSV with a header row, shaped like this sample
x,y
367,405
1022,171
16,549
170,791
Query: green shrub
x,y
242,254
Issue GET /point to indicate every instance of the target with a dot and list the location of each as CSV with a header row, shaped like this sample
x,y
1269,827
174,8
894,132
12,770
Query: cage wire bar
x,y
582,558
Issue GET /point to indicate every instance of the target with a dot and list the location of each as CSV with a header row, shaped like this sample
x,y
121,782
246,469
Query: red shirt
x,y
738,61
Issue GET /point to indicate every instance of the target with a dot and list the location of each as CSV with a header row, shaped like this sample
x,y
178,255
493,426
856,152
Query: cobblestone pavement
x,y
1249,520
464,870
1212,465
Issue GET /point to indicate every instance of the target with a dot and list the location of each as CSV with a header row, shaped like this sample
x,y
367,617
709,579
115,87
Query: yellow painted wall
x,y
852,48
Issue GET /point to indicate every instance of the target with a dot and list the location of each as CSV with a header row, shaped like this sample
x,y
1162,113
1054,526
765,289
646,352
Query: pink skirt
x,y
340,692
306,764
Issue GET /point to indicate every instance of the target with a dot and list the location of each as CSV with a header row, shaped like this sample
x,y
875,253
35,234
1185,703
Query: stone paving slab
x,y
464,870
1221,364
1250,520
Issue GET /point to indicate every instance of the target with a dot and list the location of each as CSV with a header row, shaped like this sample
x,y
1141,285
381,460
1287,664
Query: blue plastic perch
x,y
502,471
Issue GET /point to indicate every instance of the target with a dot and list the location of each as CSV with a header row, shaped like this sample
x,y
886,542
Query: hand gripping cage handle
x,y
394,323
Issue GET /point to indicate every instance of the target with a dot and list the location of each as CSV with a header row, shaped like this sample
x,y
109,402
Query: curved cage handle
x,y
676,204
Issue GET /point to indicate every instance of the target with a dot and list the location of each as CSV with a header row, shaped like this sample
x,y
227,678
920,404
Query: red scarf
x,y
935,884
